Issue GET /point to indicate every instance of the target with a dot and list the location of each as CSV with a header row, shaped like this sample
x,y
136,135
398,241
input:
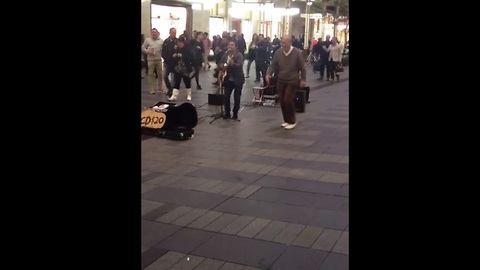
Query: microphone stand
x,y
221,88
220,92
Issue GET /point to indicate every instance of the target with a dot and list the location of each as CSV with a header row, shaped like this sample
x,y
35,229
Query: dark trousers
x,y
261,67
322,65
167,69
286,95
177,77
197,67
331,69
236,88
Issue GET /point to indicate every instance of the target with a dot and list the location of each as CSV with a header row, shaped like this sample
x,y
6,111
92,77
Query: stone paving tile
x,y
287,235
269,145
152,254
184,197
209,264
342,245
196,161
329,158
189,183
164,179
332,177
246,192
266,169
277,161
181,169
185,240
251,268
330,219
208,185
166,261
221,222
204,220
233,189
286,139
154,232
148,206
274,211
317,165
344,190
174,214
158,212
237,225
327,240
300,185
308,236
232,266
345,207
221,187
297,173
146,187
299,258
344,159
315,200
150,175
225,175
189,217
306,156
335,261
254,227
189,262
271,231
240,250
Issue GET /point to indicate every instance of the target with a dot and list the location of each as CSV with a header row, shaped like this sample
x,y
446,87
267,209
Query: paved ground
x,y
250,195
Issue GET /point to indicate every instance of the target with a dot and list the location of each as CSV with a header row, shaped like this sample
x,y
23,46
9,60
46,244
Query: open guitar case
x,y
179,122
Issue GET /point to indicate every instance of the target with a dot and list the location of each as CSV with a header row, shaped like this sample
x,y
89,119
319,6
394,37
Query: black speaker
x,y
215,99
300,99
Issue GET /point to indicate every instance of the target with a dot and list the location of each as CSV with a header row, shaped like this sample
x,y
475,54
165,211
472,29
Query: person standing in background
x,y
207,46
335,51
196,45
152,46
169,46
144,59
262,59
252,51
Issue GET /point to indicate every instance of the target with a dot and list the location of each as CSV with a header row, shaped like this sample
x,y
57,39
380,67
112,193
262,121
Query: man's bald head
x,y
286,43
287,39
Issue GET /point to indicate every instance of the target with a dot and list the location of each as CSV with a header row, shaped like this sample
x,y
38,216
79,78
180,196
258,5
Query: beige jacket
x,y
335,52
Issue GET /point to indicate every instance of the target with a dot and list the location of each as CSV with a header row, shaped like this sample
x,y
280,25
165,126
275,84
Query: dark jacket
x,y
167,50
323,53
235,71
197,51
263,52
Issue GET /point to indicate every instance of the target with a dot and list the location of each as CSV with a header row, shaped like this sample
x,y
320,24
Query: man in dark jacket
x,y
169,45
323,63
262,59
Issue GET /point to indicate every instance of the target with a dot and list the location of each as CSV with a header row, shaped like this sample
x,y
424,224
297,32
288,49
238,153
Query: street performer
x,y
232,78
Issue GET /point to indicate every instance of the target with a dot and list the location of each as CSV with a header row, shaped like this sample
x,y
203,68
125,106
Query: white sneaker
x,y
284,124
290,126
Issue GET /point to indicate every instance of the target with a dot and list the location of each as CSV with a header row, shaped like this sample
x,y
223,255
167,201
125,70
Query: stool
x,y
258,94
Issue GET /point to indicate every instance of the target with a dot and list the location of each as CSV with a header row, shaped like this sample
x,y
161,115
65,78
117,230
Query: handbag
x,y
339,68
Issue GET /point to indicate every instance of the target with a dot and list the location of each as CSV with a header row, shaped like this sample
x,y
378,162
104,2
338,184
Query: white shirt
x,y
155,45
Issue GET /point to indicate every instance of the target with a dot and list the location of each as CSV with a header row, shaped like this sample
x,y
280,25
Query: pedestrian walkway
x,y
249,194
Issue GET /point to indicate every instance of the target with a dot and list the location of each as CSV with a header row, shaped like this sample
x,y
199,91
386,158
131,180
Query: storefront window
x,y
216,26
166,17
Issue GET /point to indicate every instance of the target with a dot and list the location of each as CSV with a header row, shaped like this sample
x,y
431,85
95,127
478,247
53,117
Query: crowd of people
x,y
184,57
